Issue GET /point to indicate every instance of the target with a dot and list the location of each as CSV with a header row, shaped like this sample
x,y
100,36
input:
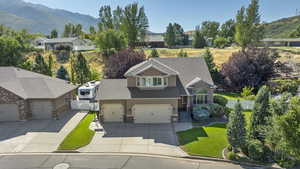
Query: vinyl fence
x,y
84,105
246,104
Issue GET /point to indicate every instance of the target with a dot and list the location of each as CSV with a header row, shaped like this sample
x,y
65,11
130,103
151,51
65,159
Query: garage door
x,y
9,112
152,113
113,112
41,109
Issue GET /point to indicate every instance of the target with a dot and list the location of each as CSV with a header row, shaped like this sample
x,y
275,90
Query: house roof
x,y
135,70
116,89
281,40
60,40
189,69
30,85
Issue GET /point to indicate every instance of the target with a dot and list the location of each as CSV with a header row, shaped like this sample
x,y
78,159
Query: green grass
x,y
247,117
80,136
206,141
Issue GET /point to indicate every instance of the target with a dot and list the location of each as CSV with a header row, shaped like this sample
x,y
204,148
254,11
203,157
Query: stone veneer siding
x,y
7,97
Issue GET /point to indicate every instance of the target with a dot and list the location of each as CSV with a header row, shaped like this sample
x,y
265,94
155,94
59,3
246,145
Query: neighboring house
x,y
156,90
153,40
27,95
294,42
74,44
38,43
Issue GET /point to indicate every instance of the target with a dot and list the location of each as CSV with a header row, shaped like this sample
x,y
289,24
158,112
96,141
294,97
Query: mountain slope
x,y
282,27
39,18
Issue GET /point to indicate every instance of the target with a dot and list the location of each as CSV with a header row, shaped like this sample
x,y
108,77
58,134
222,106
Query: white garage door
x,y
41,109
9,112
152,113
113,112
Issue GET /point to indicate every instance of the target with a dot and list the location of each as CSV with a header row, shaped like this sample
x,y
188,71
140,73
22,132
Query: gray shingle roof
x,y
60,40
116,89
189,68
30,85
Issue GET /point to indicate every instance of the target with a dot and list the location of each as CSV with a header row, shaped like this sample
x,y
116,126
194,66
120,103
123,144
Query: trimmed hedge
x,y
221,100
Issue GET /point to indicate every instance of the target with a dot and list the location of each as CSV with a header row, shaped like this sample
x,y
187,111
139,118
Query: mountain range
x,y
37,18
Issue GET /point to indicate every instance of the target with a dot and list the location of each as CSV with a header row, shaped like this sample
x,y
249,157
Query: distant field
x,y
220,55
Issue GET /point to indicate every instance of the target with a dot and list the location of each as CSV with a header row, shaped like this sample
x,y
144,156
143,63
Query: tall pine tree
x,y
62,73
236,131
199,40
170,36
260,115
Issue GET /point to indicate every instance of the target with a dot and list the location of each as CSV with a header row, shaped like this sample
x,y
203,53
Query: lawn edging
x,y
79,137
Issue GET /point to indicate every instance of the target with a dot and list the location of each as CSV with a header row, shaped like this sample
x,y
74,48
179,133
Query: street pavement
x,y
88,161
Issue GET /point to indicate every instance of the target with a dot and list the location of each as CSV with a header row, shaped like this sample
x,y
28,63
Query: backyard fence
x,y
246,104
84,105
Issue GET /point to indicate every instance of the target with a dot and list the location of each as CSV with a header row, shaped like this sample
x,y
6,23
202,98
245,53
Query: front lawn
x,y
80,136
230,95
206,141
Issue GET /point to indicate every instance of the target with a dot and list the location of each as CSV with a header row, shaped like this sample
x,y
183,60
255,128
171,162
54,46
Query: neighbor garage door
x,y
41,109
113,112
9,112
152,113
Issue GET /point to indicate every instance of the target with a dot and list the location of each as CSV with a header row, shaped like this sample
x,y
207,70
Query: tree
x,y
50,65
72,30
236,131
10,51
210,29
110,41
82,73
198,40
154,54
105,18
40,66
67,30
92,30
209,59
260,116
170,37
182,54
221,42
251,68
295,33
134,23
120,62
54,34
62,73
227,30
180,37
248,29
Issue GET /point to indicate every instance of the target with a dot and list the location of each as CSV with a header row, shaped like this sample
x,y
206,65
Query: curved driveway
x,y
86,161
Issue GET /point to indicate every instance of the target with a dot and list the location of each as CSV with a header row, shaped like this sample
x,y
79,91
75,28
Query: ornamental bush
x,y
231,156
281,86
256,150
221,100
216,110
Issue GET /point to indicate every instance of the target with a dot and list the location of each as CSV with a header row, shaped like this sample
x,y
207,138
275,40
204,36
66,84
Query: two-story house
x,y
156,91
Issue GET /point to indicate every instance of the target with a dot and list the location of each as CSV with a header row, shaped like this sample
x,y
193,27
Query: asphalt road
x,y
79,161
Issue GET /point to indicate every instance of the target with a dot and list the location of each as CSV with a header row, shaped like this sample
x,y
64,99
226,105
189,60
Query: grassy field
x,y
80,136
206,141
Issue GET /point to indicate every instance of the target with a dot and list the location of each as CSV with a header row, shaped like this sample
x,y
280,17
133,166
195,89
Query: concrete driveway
x,y
136,138
36,135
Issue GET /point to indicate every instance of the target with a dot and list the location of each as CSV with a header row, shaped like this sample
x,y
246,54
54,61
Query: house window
x,y
200,99
151,81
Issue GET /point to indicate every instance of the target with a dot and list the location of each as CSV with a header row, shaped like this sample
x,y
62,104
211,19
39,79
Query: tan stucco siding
x,y
151,72
131,81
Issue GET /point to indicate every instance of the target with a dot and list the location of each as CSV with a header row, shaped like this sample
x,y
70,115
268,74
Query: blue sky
x,y
188,13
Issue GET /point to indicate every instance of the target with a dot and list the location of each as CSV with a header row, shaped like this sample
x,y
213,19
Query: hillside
x,y
38,18
282,27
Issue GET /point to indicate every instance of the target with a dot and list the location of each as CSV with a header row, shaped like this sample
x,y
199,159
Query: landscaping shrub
x,y
256,150
231,156
216,110
283,159
247,91
281,86
221,100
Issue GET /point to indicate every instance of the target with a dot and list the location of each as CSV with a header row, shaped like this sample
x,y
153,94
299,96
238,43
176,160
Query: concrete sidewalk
x,y
37,135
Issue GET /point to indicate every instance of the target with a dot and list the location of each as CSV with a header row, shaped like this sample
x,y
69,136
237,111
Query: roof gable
x,y
151,63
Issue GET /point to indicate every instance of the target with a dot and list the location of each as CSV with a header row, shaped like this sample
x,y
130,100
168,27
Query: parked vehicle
x,y
88,91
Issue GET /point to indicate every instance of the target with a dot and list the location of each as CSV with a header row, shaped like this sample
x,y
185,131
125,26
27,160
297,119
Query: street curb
x,y
66,151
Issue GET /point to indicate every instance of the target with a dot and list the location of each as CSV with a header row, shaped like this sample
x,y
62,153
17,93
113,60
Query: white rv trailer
x,y
88,91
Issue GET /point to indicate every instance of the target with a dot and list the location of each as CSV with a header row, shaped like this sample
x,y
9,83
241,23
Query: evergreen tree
x,y
81,69
50,65
261,113
54,34
236,131
40,66
209,59
182,54
210,29
10,52
154,54
170,36
62,73
198,40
